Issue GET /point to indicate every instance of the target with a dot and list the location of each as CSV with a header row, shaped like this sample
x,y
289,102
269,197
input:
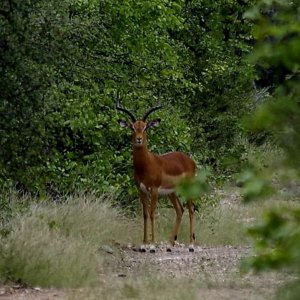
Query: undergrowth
x,y
62,244
59,244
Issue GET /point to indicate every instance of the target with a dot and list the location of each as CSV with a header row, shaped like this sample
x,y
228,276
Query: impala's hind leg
x,y
191,209
179,212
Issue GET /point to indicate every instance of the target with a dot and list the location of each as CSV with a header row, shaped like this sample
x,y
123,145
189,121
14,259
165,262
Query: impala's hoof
x,y
152,249
169,247
142,248
191,248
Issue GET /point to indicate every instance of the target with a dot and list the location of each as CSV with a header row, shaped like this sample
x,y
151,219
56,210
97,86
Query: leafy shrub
x,y
59,129
278,45
219,40
63,63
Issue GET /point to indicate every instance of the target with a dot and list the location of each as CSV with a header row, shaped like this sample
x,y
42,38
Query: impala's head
x,y
139,127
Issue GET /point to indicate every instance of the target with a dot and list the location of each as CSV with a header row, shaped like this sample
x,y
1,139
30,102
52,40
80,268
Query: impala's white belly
x,y
161,191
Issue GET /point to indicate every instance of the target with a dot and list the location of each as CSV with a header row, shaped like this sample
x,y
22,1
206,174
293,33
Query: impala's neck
x,y
141,157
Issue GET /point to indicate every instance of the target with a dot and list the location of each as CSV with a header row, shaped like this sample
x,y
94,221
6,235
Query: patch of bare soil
x,y
214,270
214,261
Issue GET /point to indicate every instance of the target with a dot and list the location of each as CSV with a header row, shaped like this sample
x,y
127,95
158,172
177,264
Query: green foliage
x,y
6,213
195,188
277,240
254,186
278,41
62,63
218,39
279,51
60,70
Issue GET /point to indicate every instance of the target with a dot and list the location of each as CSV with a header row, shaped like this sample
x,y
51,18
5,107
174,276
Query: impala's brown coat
x,y
158,175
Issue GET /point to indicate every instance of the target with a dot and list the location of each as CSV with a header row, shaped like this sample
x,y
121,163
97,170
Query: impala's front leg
x,y
153,204
144,200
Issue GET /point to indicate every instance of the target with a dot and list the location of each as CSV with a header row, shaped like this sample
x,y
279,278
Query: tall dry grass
x,y
59,244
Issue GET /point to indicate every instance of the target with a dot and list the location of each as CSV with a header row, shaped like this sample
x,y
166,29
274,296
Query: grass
x,y
149,287
214,226
64,245
38,256
144,287
59,244
224,223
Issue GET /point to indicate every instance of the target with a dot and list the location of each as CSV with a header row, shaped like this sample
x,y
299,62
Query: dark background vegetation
x,y
65,63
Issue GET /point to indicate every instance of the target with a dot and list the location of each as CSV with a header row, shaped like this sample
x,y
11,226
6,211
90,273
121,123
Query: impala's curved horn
x,y
125,110
151,110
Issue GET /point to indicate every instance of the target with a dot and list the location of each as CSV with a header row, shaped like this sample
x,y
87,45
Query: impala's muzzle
x,y
139,141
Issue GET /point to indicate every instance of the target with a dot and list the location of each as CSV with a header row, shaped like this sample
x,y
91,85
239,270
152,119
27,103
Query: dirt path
x,y
213,271
215,261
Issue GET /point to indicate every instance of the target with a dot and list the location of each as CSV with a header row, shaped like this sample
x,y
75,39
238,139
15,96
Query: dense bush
x,y
277,238
218,39
63,64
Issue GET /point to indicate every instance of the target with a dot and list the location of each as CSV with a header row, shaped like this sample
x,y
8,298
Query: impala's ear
x,y
124,124
153,123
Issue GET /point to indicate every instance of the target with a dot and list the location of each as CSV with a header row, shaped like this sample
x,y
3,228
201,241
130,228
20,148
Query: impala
x,y
157,175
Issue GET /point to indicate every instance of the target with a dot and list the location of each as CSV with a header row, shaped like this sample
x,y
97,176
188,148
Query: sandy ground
x,y
216,267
